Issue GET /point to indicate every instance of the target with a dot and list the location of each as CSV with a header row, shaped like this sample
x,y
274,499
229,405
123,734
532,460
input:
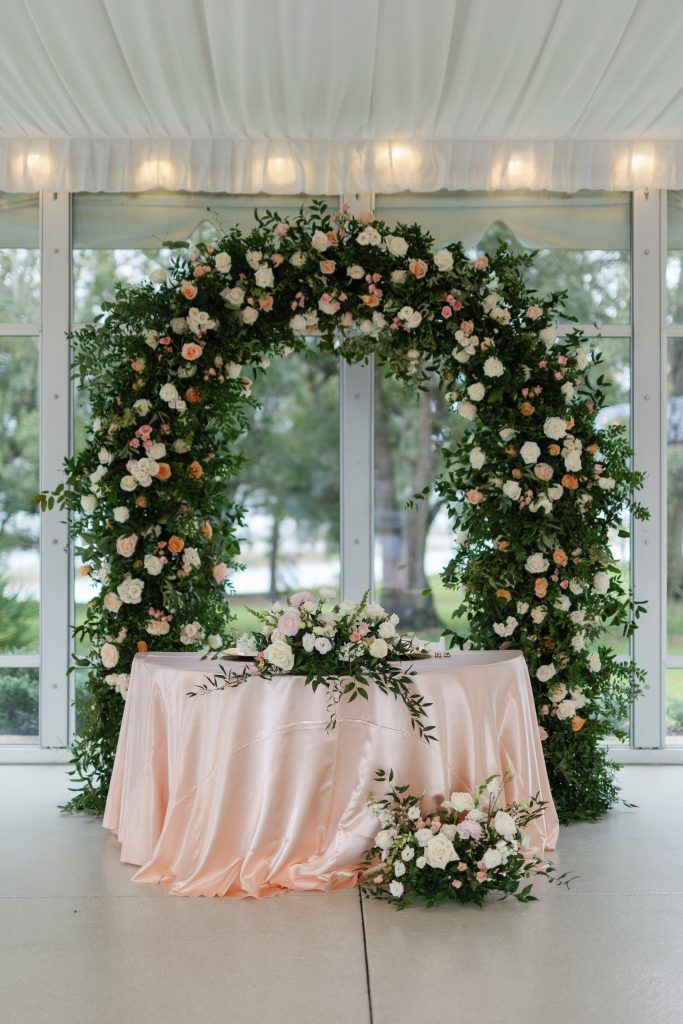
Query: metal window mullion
x,y
19,330
55,407
357,509
649,409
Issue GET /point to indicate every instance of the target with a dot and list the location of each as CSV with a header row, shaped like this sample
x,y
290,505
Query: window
x,y
19,482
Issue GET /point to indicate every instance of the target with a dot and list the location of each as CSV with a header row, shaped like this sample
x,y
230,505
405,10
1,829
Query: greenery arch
x,y
535,488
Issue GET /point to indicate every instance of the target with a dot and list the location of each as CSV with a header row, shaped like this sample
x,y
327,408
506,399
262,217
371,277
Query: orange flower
x,y
175,544
526,409
191,350
141,501
201,269
592,448
418,268
164,471
569,423
370,300
138,365
332,238
266,303
578,723
192,395
541,587
554,449
560,557
188,289
327,266
570,482
516,474
504,594
194,470
142,646
503,545
474,496
206,530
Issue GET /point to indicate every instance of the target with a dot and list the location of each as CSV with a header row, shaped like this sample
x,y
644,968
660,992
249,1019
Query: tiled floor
x,y
80,944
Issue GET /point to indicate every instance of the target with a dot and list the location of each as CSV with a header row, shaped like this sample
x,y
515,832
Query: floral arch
x,y
534,489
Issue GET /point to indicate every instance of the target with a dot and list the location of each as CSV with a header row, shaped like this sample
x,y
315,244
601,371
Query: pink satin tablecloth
x,y
243,792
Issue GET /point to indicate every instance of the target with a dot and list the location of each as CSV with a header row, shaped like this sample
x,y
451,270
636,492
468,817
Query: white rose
x,y
522,607
594,662
398,276
128,483
567,390
407,853
223,262
567,709
214,641
158,627
506,434
477,458
385,838
355,272
501,315
308,641
89,503
476,391
493,367
581,360
233,296
142,406
575,587
387,630
378,648
322,645
157,451
492,858
530,452
159,275
178,324
506,628
557,693
254,258
439,852
396,246
511,489
601,583
578,641
249,315
544,673
399,869
153,565
538,614
467,410
320,241
264,277
423,836
112,602
460,802
572,461
374,610
548,335
168,392
579,698
280,654
443,260
606,482
104,456
396,889
555,492
555,428
109,655
130,590
536,562
505,825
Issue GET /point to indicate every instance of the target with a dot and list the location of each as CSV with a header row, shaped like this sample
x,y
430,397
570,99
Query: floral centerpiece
x,y
471,846
343,646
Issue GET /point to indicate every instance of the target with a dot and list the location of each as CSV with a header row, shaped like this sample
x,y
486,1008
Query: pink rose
x,y
456,883
481,263
219,572
446,312
191,351
367,217
327,266
469,829
533,312
481,876
281,229
296,600
289,623
362,628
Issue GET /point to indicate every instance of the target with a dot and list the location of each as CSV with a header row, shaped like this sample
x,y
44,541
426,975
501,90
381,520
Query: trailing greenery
x,y
169,369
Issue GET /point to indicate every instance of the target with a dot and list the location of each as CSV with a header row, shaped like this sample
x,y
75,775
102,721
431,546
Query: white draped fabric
x,y
320,96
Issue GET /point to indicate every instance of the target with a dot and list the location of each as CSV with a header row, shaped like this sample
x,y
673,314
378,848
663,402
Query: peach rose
x,y
266,303
570,482
560,557
141,501
366,217
125,546
175,544
516,474
188,289
541,587
526,409
138,365
503,545
592,448
191,350
578,723
206,530
219,572
327,266
201,269
164,471
504,594
192,395
554,449
474,496
142,646
543,471
370,300
332,238
194,470
418,268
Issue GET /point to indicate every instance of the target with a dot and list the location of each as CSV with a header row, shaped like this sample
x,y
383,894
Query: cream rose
x,y
439,852
554,428
476,391
530,452
125,546
112,602
109,655
397,246
280,655
536,563
379,648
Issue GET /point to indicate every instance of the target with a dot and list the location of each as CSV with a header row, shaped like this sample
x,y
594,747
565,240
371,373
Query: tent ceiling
x,y
322,96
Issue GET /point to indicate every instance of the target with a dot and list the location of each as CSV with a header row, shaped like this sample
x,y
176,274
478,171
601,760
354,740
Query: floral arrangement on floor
x,y
535,490
342,646
470,847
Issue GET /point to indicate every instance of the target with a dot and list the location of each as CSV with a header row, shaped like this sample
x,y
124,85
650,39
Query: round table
x,y
246,792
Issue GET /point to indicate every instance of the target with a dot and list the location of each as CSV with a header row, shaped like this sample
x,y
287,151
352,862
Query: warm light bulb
x,y
280,173
34,169
155,174
397,164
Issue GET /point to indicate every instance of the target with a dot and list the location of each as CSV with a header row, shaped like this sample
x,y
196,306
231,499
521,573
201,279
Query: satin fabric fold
x,y
246,792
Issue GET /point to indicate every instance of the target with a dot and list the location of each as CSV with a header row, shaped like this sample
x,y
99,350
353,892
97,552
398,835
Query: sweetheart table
x,y
245,792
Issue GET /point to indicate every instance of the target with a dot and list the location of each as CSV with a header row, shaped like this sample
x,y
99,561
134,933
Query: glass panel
x,y
19,705
19,259
290,484
674,263
675,497
674,706
118,237
19,520
412,545
583,240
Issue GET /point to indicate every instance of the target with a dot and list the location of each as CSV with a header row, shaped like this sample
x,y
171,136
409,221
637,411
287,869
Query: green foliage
x,y
164,368
18,702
